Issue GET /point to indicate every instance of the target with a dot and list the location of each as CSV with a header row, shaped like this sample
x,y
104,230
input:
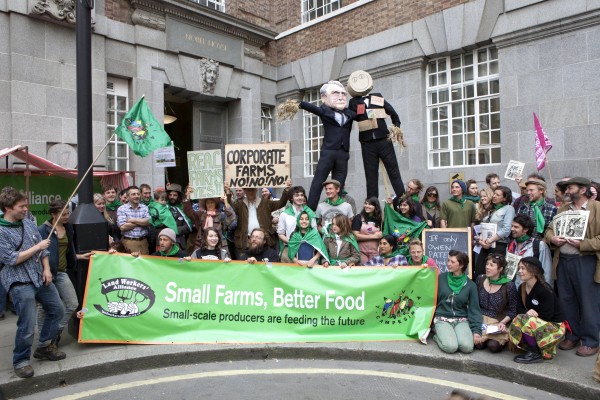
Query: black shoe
x,y
529,358
49,352
2,317
24,372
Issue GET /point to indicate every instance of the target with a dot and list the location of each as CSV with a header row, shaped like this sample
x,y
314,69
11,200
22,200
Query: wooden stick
x,y
77,187
385,182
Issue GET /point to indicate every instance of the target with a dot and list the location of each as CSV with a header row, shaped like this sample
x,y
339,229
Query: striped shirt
x,y
29,271
125,212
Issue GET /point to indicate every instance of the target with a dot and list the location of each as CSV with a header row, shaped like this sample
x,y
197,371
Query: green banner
x,y
165,300
43,190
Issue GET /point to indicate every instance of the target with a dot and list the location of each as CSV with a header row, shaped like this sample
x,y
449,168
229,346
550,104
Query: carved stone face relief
x,y
209,72
63,10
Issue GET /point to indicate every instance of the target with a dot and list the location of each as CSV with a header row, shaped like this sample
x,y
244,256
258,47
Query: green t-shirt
x,y
457,215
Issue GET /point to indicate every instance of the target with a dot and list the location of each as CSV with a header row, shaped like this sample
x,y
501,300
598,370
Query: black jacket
x,y
382,130
336,137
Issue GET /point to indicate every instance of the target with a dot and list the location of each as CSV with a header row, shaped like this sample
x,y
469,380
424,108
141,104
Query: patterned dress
x,y
547,328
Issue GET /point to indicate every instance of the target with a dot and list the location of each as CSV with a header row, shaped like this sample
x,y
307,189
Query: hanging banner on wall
x,y
166,300
257,165
205,169
43,189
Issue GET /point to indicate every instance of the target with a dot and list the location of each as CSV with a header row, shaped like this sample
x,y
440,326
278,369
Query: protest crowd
x,y
548,298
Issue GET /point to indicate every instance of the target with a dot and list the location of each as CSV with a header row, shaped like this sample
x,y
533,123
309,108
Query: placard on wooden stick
x,y
205,169
257,165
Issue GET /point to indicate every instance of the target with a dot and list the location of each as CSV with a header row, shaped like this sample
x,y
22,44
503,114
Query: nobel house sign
x,y
185,38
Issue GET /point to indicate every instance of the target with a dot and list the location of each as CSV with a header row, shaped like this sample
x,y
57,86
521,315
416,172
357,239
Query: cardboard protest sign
x,y
205,168
257,165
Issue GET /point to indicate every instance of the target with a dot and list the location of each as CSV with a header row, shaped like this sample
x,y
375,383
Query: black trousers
x,y
334,161
371,153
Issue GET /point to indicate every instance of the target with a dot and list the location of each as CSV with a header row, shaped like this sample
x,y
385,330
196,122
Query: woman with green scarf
x,y
430,207
502,216
341,244
306,246
457,317
498,303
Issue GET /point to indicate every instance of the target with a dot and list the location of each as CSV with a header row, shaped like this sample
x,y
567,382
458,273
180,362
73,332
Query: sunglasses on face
x,y
432,194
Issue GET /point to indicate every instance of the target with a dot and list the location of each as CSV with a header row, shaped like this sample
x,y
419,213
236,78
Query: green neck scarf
x,y
498,206
500,281
112,206
9,224
540,222
460,201
290,210
474,199
415,197
336,202
160,216
174,250
429,205
350,239
311,237
423,261
146,202
456,283
523,238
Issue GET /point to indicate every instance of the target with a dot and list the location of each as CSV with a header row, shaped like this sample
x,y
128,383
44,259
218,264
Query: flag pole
x,y
549,173
77,188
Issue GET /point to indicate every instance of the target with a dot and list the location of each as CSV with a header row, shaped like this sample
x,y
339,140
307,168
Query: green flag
x,y
403,228
142,131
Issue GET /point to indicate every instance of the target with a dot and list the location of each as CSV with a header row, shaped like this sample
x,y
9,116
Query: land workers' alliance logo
x,y
125,298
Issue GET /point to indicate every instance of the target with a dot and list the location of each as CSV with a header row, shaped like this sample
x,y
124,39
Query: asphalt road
x,y
291,380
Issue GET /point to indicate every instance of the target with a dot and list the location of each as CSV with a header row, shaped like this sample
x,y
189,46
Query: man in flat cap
x,y
537,207
576,268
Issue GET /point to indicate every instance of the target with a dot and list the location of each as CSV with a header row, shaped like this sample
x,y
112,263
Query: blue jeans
x,y
67,294
24,298
3,299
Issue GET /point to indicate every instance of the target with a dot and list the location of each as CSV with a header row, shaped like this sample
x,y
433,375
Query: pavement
x,y
567,374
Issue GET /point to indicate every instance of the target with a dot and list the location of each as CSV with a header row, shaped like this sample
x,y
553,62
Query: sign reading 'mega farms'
x,y
257,165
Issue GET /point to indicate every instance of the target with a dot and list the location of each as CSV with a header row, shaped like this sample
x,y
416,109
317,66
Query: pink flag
x,y
542,144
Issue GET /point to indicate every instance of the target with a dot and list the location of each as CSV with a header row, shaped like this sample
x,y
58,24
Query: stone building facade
x,y
465,76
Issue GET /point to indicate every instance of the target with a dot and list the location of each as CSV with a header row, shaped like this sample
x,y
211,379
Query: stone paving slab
x,y
567,375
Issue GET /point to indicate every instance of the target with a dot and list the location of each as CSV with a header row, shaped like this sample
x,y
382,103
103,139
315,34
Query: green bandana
x,y
113,205
500,281
540,222
461,201
523,238
160,215
350,239
498,206
311,237
456,283
415,197
474,199
9,224
173,251
429,205
146,202
334,203
290,210
423,262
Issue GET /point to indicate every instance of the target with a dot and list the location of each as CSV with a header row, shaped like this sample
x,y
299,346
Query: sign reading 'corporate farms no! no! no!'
x,y
257,165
